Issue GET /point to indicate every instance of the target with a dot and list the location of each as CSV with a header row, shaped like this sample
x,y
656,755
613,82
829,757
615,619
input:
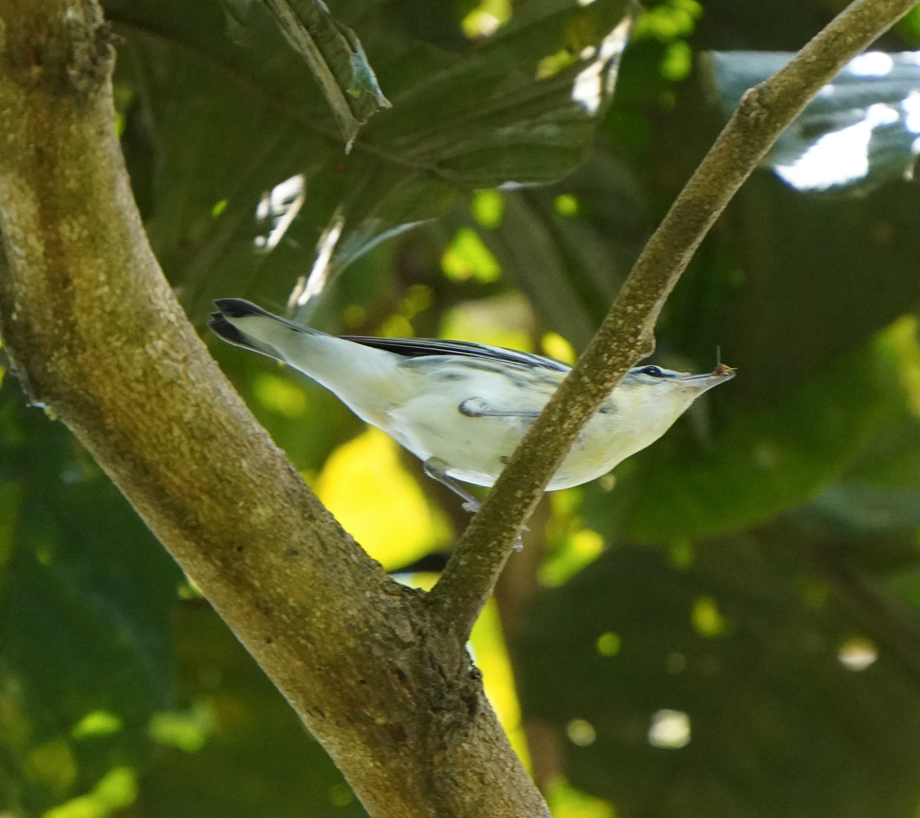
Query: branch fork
x,y
379,674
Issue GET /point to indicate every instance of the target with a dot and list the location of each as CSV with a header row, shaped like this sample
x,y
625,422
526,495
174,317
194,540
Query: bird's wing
x,y
420,347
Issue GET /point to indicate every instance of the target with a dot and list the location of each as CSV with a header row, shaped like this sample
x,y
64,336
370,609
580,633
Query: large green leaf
x,y
858,132
816,276
219,124
764,461
336,58
721,688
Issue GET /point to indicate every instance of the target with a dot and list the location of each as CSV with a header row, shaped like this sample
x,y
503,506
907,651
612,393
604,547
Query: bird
x,y
462,408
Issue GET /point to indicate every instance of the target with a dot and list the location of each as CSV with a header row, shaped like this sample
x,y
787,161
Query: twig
x,y
626,334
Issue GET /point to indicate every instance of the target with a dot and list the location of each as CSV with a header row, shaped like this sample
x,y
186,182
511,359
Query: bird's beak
x,y
719,375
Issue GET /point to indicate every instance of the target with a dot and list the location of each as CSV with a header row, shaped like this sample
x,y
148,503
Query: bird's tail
x,y
361,376
245,325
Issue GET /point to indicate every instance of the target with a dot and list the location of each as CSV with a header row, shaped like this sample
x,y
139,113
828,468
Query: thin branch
x,y
626,334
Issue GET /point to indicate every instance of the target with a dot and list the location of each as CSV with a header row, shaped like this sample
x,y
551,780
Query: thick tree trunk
x,y
97,337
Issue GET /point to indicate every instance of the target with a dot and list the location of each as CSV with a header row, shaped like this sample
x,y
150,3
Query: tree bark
x,y
97,337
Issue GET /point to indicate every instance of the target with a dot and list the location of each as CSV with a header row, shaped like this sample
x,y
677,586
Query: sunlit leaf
x,y
803,264
566,801
491,656
487,208
378,502
115,791
467,257
861,129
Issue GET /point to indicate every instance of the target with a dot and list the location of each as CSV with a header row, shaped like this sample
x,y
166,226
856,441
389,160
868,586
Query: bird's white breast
x,y
430,424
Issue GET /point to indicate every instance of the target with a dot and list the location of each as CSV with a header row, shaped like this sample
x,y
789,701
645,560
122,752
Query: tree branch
x,y
96,335
626,334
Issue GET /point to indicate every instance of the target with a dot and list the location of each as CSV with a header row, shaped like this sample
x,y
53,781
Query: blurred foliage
x,y
379,503
87,599
729,624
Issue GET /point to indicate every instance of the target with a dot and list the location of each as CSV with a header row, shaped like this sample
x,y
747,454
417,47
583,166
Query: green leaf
x,y
763,462
858,132
336,58
814,277
216,122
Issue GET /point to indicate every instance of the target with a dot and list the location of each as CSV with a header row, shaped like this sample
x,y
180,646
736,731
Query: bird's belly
x,y
584,464
606,441
475,449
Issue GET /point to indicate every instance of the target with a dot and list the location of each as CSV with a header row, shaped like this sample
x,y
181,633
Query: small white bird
x,y
463,408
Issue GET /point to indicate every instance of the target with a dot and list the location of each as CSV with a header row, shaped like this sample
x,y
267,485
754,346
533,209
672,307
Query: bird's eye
x,y
652,371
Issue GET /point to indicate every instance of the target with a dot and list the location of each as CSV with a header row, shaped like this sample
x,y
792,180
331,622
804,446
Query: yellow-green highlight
x,y
677,62
115,791
901,339
608,644
468,258
706,618
909,27
418,298
340,795
486,18
567,802
566,205
502,321
186,730
668,21
354,315
488,207
279,394
555,346
570,546
96,723
681,554
397,326
554,63
578,550
581,732
379,503
52,766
